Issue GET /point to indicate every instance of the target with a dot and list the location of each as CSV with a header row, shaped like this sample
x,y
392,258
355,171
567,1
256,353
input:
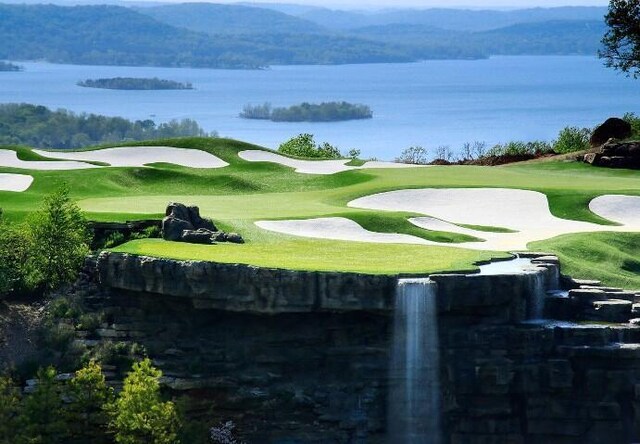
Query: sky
x,y
475,4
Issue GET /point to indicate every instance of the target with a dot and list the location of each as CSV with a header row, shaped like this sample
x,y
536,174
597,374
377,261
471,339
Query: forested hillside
x,y
232,36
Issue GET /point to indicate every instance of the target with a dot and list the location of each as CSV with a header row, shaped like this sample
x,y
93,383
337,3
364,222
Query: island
x,y
6,66
132,83
308,112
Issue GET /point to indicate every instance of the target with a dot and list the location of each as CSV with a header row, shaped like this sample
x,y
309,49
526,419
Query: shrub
x,y
42,418
16,245
634,121
414,154
60,239
572,139
139,416
303,145
520,149
9,409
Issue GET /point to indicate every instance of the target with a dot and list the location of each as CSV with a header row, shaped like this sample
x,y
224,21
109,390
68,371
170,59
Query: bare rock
x,y
612,128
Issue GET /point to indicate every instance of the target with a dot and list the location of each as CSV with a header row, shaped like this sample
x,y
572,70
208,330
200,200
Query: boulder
x,y
612,128
199,236
184,224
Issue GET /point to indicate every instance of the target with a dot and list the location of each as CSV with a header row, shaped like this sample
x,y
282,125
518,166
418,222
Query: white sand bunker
x,y
621,209
315,166
525,212
338,228
9,158
137,156
15,182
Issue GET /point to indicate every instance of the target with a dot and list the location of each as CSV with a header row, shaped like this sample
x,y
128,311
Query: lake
x,y
430,103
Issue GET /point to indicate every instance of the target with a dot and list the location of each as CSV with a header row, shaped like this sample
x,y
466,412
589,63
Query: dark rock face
x,y
184,224
612,128
304,357
616,155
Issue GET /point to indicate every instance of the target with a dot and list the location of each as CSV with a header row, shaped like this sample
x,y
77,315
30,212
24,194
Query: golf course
x,y
346,215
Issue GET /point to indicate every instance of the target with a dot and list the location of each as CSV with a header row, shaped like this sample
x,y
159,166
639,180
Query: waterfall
x,y
538,293
414,391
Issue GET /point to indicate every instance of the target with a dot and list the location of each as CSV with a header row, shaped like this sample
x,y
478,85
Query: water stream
x,y
414,395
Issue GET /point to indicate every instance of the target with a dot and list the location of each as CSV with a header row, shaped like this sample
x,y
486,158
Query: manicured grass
x,y
308,254
612,258
245,192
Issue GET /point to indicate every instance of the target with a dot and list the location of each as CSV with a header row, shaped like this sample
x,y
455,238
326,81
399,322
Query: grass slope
x,y
244,192
610,257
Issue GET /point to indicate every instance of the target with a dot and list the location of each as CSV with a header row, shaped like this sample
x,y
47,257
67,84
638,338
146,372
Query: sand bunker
x,y
316,166
525,212
9,158
622,209
137,156
15,182
338,228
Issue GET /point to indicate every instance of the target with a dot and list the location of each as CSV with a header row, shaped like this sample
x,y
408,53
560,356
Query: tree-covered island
x,y
132,83
6,66
308,112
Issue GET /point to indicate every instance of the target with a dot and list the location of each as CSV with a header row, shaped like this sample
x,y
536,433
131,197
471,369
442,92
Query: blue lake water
x,y
430,103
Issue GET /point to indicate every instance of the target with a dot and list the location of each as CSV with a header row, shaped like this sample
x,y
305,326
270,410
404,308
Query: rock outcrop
x,y
304,357
612,128
615,154
184,224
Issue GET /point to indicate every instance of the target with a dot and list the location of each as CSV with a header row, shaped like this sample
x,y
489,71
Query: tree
x,y
414,154
9,410
15,246
42,418
622,40
139,416
88,394
60,239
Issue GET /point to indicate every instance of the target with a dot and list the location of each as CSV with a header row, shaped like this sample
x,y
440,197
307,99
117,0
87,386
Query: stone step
x,y
586,296
612,310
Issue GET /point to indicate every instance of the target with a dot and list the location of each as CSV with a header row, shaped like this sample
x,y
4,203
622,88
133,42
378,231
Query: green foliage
x,y
518,148
9,410
622,39
42,418
416,155
139,416
634,121
303,145
38,126
354,153
114,239
16,246
307,112
572,139
132,83
60,239
87,395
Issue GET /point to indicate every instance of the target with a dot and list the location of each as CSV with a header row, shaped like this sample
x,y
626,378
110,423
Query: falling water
x,y
414,393
538,294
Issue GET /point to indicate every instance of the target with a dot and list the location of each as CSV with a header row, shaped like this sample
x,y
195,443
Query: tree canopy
x,y
622,40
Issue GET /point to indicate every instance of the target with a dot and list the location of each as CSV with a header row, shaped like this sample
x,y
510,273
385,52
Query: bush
x,y
634,121
518,149
572,139
304,146
139,416
415,154
16,246
60,239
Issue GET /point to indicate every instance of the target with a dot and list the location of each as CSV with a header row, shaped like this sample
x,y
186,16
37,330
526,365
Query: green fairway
x,y
244,192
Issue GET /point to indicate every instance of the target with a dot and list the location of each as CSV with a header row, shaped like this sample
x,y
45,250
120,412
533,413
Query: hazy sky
x,y
476,4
